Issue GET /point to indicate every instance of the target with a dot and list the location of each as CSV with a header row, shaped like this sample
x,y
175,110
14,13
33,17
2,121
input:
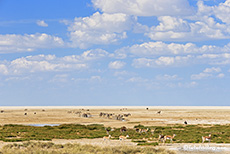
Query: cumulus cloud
x,y
50,63
145,7
100,29
207,73
215,59
177,29
152,49
181,61
222,10
162,61
10,43
116,65
42,23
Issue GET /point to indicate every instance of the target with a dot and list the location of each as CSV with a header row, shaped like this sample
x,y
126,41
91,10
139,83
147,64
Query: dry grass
x,y
51,148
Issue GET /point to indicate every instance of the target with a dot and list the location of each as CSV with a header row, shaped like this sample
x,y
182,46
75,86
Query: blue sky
x,y
120,52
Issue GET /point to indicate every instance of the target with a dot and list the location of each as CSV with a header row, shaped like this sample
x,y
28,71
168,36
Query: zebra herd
x,y
80,114
114,116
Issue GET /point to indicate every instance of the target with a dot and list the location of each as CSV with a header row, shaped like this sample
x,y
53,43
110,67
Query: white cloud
x,y
91,79
200,76
168,23
145,7
221,75
152,49
222,11
212,70
167,77
162,61
10,43
182,61
207,73
42,23
87,55
3,69
215,59
116,65
51,63
177,29
100,29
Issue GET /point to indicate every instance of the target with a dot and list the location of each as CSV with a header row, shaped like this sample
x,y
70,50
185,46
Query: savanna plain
x,y
119,129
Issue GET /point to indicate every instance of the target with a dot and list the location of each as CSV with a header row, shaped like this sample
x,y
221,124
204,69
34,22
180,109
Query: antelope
x,y
153,130
122,138
137,130
106,138
144,130
161,138
169,137
107,130
206,138
123,129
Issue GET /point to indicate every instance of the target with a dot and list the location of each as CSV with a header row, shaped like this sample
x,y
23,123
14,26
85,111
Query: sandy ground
x,y
139,115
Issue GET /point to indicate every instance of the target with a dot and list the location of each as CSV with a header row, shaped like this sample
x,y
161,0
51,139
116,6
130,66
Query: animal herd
x,y
162,138
114,116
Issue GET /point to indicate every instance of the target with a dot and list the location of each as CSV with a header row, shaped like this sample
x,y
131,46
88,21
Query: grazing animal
x,y
107,130
206,138
153,130
106,138
126,115
185,122
122,138
161,138
159,112
35,113
2,111
169,138
144,130
123,129
25,113
147,108
138,130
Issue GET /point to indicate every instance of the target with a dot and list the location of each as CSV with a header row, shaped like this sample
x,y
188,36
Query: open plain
x,y
138,115
144,115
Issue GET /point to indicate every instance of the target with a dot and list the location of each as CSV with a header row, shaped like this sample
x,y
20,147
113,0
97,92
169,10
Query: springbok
x,y
144,130
152,131
168,137
106,138
107,130
161,138
123,129
122,138
206,138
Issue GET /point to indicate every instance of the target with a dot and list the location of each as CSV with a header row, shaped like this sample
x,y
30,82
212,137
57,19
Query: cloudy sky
x,y
114,52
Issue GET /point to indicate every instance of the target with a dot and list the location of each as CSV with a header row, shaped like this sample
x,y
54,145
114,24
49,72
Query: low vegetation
x,y
50,148
184,133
